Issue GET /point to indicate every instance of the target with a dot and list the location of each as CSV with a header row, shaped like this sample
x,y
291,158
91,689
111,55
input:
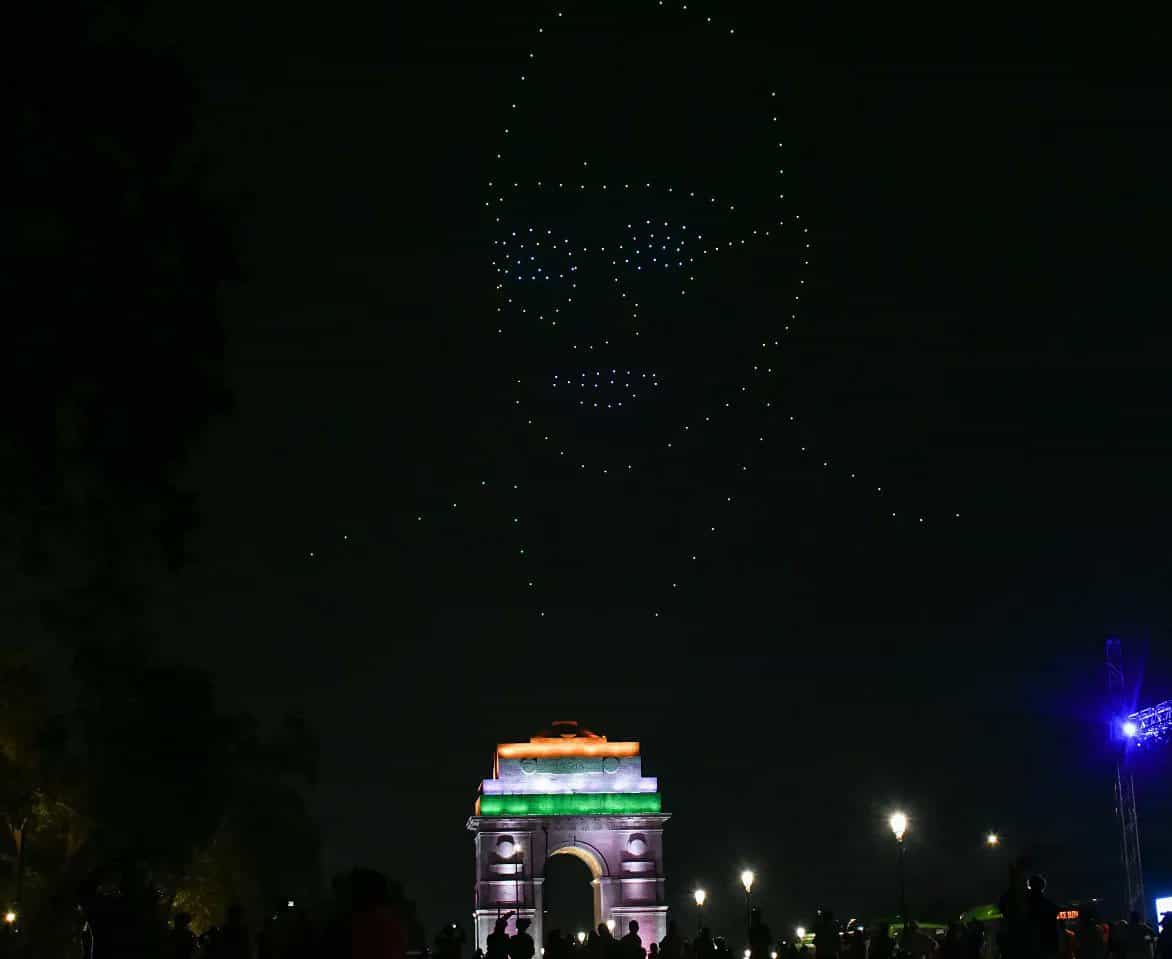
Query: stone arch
x,y
569,792
595,861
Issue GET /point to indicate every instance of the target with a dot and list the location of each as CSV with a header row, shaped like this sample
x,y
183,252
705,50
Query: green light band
x,y
571,804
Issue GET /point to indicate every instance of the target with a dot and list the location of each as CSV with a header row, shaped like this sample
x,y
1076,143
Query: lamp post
x,y
700,896
747,878
898,824
581,937
992,840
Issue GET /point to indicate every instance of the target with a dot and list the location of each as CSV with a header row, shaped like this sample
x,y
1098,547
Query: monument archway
x,y
568,791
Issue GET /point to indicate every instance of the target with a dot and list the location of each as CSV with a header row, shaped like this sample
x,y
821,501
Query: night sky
x,y
982,331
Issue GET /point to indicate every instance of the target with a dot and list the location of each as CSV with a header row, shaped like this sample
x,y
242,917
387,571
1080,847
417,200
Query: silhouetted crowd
x,y
367,922
1030,927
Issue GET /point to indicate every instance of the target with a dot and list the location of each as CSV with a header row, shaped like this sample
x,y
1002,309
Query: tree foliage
x,y
151,784
116,768
112,363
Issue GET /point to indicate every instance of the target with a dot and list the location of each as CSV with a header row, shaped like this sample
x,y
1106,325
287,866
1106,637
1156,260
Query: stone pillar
x,y
504,879
623,852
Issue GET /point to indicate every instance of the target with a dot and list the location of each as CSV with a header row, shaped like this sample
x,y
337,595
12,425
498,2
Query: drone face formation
x,y
637,228
647,269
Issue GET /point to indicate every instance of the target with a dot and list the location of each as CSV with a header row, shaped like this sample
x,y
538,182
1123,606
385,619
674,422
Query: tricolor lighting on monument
x,y
580,774
569,791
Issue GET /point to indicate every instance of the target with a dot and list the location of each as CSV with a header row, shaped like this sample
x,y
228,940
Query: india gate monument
x,y
569,792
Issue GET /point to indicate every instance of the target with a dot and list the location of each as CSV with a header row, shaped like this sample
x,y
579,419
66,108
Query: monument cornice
x,y
523,823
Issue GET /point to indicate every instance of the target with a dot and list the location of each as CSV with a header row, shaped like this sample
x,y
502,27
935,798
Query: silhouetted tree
x,y
110,355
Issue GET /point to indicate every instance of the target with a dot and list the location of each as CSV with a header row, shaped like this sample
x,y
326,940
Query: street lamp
x,y
800,932
610,926
581,937
992,840
747,878
10,917
898,824
699,895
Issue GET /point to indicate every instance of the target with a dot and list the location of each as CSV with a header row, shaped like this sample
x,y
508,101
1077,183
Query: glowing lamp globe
x,y
699,895
581,937
10,917
747,878
992,839
800,932
610,925
898,824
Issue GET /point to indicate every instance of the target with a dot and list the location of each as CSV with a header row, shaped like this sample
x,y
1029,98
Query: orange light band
x,y
551,749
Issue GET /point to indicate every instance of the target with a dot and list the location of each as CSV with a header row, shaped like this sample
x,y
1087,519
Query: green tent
x,y
981,914
896,924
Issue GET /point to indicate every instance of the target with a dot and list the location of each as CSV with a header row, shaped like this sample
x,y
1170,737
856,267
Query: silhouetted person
x,y
1116,939
181,940
449,941
233,941
122,922
521,945
1090,935
1014,938
918,944
606,946
376,931
720,947
557,946
1138,942
1164,943
827,944
496,946
301,943
974,941
881,945
334,942
631,946
653,950
953,945
1041,921
760,938
702,948
1068,943
266,939
671,946
856,945
85,929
